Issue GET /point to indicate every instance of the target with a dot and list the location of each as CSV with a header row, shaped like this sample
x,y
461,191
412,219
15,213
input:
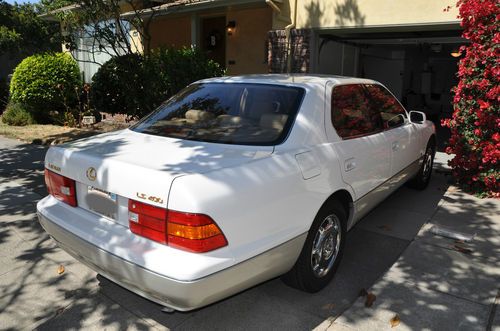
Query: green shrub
x,y
16,115
126,85
134,85
69,119
45,83
179,68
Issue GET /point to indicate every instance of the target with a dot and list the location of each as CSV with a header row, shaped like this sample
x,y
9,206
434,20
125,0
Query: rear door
x,y
363,149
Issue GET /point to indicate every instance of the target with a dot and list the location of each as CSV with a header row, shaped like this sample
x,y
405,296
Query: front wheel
x,y
423,177
322,251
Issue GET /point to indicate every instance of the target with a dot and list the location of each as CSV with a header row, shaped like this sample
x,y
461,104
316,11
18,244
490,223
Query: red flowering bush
x,y
475,125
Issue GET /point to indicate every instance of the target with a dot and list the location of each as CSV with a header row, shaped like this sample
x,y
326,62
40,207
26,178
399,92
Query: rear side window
x,y
391,111
352,114
227,113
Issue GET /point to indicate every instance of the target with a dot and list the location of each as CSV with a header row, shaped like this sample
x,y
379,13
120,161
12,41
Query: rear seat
x,y
273,121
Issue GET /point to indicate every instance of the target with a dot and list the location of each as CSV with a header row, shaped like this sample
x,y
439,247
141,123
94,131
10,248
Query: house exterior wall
x,y
136,41
357,13
247,46
171,31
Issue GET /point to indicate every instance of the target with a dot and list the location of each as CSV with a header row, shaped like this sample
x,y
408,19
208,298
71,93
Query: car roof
x,y
289,79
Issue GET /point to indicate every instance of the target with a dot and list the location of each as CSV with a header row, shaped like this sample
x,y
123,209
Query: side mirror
x,y
417,117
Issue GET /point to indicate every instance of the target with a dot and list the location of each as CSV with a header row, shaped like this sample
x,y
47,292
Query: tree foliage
x,y
135,85
126,85
23,32
103,25
475,125
4,94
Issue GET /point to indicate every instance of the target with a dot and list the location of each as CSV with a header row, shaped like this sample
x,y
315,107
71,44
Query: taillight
x,y
192,232
148,221
62,188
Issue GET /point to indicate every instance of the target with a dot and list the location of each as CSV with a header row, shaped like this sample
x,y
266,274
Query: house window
x,y
91,55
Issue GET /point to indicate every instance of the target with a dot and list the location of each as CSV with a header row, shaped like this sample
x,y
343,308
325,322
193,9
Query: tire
x,y
314,269
423,177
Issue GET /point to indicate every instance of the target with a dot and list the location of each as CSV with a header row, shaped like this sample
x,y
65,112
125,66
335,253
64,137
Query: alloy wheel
x,y
326,246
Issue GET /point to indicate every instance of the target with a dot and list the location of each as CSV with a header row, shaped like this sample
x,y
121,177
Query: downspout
x,y
288,39
275,7
277,10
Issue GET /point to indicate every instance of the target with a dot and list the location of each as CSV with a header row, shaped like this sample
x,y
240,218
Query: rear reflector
x,y
62,188
192,232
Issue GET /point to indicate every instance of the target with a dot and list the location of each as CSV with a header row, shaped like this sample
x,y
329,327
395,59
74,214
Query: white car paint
x,y
260,196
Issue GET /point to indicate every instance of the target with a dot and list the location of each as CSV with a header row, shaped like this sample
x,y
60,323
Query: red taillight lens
x,y
62,188
192,232
148,221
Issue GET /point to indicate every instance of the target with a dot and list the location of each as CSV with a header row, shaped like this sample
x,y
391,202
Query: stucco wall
x,y
246,47
171,32
136,41
356,13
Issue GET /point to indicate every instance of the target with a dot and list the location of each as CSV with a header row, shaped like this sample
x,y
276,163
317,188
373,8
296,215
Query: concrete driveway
x,y
34,295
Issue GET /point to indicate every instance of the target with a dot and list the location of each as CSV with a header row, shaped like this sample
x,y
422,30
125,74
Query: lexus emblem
x,y
91,173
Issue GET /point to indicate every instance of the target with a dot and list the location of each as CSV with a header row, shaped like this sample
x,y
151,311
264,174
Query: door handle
x,y
350,164
395,146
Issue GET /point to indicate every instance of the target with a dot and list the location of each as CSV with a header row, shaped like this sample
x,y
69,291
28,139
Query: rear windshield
x,y
228,113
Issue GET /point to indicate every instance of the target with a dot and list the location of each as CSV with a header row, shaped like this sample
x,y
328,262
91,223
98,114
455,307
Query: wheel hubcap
x,y
427,163
326,246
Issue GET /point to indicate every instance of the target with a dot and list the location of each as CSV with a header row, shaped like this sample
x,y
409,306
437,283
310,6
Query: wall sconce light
x,y
455,52
230,27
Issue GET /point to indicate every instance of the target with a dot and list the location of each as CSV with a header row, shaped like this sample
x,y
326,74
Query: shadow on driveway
x,y
32,292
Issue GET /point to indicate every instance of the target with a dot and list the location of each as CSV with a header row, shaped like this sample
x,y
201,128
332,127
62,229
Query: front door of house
x,y
213,38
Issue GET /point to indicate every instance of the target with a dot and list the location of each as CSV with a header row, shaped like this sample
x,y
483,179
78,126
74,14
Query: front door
x,y
213,34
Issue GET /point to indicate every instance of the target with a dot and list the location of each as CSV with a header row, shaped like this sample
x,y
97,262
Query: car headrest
x,y
273,121
198,115
229,120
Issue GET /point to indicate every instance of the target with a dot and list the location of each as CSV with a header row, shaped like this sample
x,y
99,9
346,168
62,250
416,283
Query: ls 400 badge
x,y
150,197
54,167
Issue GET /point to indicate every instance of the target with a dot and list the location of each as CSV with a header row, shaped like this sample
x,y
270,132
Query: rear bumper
x,y
176,294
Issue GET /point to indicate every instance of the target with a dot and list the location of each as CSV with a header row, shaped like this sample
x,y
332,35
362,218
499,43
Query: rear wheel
x,y
322,251
423,177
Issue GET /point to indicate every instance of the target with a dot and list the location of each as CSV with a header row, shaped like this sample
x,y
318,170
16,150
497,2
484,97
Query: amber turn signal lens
x,y
193,232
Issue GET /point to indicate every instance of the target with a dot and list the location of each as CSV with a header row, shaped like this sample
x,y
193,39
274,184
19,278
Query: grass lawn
x,y
48,134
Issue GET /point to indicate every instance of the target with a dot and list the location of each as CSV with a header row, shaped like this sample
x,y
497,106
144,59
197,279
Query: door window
x,y
352,114
389,108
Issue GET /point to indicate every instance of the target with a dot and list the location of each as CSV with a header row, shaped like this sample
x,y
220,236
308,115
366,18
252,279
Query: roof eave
x,y
52,15
190,7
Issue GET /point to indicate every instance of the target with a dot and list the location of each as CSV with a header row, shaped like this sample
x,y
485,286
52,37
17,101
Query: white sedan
x,y
234,181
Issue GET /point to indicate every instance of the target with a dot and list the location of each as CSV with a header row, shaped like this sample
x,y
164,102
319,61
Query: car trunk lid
x,y
111,168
